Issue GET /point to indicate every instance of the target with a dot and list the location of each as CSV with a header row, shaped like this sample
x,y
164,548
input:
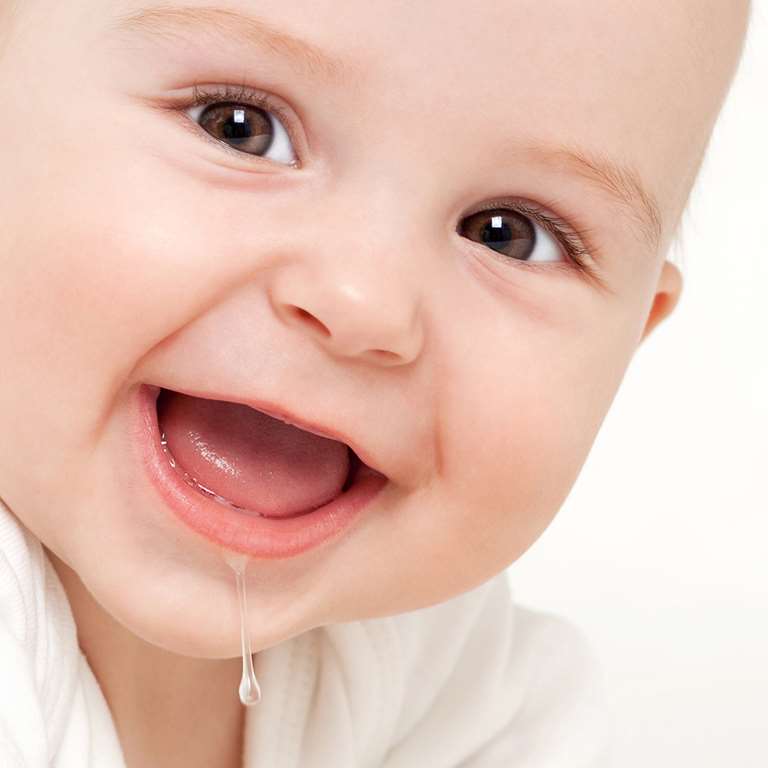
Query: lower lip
x,y
250,534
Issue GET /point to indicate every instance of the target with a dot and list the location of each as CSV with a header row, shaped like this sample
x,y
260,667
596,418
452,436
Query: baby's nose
x,y
351,305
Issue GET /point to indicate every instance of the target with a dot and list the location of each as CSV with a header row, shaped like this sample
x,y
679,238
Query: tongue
x,y
250,459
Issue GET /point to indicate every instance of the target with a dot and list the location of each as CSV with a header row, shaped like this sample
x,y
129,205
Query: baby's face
x,y
416,261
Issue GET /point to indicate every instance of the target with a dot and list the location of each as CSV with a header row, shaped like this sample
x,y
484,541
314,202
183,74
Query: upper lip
x,y
277,411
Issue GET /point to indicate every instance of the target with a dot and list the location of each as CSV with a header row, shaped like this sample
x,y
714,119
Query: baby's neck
x,y
161,703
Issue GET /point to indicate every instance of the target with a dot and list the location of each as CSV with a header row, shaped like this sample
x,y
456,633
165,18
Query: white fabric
x,y
474,682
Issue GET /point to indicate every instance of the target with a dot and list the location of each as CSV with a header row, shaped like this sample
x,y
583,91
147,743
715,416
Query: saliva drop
x,y
249,690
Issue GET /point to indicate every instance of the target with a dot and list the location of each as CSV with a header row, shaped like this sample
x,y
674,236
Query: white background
x,y
660,553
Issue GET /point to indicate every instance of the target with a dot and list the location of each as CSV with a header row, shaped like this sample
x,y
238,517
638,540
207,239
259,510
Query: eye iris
x,y
244,127
507,232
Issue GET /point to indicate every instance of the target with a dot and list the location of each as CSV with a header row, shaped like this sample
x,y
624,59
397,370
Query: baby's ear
x,y
668,291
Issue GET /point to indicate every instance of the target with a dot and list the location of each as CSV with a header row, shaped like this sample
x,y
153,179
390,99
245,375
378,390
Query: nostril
x,y
384,354
302,314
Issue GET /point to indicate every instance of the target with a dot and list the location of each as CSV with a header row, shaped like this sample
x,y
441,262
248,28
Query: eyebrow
x,y
173,22
621,182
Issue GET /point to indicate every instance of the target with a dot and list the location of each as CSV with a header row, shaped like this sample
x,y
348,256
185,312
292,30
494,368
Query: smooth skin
x,y
133,249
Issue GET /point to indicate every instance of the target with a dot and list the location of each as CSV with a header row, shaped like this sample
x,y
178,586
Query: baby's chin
x,y
185,611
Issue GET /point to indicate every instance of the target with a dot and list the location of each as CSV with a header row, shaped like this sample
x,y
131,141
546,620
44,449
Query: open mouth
x,y
251,461
268,484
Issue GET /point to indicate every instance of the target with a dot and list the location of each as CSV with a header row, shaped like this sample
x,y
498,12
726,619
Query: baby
x,y
337,295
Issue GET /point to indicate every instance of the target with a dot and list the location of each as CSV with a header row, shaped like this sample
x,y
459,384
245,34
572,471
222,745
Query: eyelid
x,y
244,94
569,239
575,240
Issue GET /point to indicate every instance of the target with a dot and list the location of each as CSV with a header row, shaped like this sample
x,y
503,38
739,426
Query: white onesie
x,y
473,682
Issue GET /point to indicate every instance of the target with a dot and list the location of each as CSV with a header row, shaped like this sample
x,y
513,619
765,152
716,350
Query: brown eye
x,y
511,234
246,128
508,232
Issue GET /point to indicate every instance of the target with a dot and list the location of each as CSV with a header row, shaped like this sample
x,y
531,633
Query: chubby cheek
x,y
110,269
519,418
77,294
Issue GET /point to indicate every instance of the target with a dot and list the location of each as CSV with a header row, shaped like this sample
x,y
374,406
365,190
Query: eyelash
x,y
570,238
241,94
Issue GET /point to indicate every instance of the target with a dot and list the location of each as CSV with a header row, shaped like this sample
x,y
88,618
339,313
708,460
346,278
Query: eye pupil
x,y
238,127
506,232
497,232
233,124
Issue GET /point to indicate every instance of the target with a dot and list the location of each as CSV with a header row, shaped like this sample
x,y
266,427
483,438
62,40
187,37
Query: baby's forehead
x,y
492,79
639,85
636,86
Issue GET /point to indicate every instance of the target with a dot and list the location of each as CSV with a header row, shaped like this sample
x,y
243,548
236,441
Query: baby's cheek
x,y
77,291
522,426
82,301
511,473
